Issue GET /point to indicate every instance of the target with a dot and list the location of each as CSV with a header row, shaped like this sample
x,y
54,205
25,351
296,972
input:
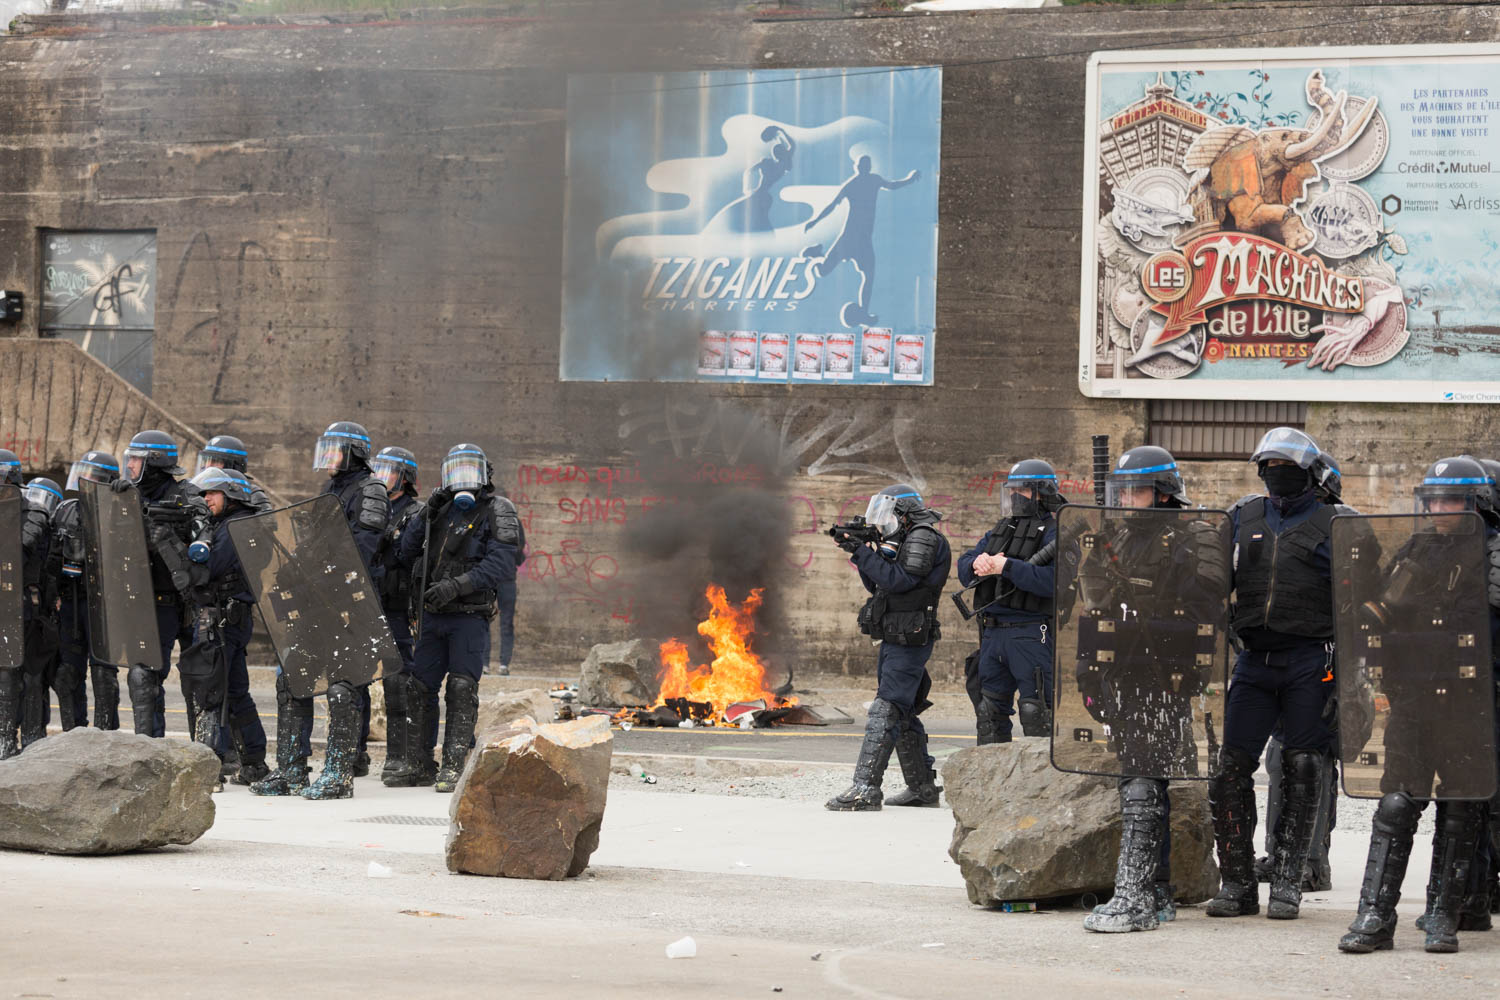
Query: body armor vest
x,y
460,549
395,588
905,619
1015,538
1278,585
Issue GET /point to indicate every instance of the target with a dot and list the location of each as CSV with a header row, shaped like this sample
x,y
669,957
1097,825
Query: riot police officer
x,y
343,452
1419,746
1283,616
1317,873
39,610
904,573
225,451
1013,579
467,542
1154,582
225,621
396,468
175,518
66,566
23,693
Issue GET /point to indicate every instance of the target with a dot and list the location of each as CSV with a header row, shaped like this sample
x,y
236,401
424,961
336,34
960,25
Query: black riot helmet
x,y
1329,484
10,468
94,466
891,508
397,468
343,446
1031,489
1150,466
223,451
151,450
230,482
1493,468
466,468
43,494
1460,482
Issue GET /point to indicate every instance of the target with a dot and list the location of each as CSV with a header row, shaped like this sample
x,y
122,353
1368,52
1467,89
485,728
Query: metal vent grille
x,y
1216,428
406,820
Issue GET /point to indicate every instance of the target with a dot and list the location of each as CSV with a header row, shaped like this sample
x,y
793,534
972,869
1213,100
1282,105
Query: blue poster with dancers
x,y
752,226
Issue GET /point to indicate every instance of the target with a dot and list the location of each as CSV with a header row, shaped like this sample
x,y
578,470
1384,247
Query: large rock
x,y
504,709
1023,830
531,800
620,673
88,791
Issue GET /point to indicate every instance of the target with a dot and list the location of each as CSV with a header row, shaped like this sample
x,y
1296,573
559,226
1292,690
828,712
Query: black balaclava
x,y
1286,483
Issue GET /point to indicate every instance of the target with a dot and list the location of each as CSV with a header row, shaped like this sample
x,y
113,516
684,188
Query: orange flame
x,y
736,673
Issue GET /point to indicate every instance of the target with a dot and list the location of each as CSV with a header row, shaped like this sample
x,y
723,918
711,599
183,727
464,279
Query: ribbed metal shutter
x,y
1216,428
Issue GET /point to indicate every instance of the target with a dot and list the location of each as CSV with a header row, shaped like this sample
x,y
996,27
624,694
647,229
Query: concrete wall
x,y
363,221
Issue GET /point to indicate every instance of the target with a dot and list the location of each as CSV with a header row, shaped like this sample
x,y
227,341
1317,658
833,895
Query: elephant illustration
x,y
1248,182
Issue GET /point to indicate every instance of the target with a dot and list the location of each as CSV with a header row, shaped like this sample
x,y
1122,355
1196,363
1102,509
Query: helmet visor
x,y
1287,443
1020,499
43,496
464,470
94,472
214,480
881,512
208,461
1132,489
388,471
331,454
1437,495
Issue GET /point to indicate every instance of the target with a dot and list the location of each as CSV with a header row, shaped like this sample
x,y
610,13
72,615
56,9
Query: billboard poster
x,y
1293,224
711,215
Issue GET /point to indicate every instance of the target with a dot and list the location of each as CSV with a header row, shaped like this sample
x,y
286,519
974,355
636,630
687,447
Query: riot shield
x,y
12,630
1411,617
1141,632
117,573
315,596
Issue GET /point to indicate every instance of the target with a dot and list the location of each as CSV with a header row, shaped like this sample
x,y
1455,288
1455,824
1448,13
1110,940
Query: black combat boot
x,y
290,776
35,708
252,763
417,768
916,767
337,779
1453,845
462,700
395,728
1231,795
1303,778
106,697
1134,906
1395,825
990,718
10,711
144,684
68,683
881,727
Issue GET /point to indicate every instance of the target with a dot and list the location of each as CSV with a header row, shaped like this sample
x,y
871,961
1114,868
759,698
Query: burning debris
x,y
733,689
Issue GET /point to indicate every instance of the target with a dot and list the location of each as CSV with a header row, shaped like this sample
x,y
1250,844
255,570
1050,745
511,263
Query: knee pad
x,y
1236,766
342,697
1034,721
991,709
1302,770
141,678
1397,814
1142,797
462,690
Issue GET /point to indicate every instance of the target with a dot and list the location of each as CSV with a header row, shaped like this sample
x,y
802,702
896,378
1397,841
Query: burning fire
x,y
736,674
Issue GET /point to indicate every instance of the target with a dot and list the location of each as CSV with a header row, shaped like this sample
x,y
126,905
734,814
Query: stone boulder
x,y
617,674
89,791
531,800
1024,830
504,709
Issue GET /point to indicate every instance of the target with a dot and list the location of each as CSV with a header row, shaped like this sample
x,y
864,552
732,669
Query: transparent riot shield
x,y
1411,618
12,631
1142,629
315,596
117,573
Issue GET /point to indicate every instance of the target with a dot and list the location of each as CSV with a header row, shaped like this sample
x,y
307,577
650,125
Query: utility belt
x,y
900,620
474,604
994,621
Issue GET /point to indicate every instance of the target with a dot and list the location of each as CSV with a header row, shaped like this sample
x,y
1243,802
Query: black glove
x,y
848,543
437,503
441,593
119,484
